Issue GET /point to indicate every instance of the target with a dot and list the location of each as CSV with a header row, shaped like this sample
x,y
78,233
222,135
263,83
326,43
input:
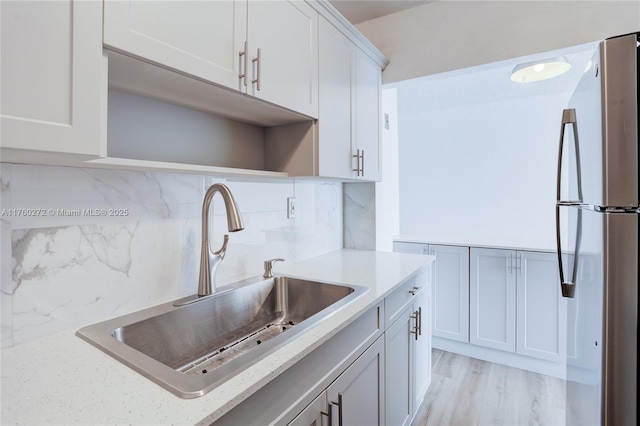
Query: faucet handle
x,y
268,266
223,249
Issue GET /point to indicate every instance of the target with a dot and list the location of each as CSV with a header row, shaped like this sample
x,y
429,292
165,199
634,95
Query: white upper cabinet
x,y
283,54
349,108
267,49
201,38
337,80
52,87
367,118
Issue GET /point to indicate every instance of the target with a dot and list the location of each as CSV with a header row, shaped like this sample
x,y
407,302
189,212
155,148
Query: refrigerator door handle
x,y
569,117
568,288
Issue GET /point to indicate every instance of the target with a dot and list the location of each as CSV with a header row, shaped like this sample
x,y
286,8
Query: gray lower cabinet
x,y
422,349
399,361
313,414
357,396
407,352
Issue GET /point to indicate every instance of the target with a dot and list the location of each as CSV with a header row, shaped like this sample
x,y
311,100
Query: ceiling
x,y
357,11
485,84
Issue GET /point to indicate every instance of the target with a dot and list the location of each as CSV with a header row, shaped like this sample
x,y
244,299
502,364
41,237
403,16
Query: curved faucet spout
x,y
209,260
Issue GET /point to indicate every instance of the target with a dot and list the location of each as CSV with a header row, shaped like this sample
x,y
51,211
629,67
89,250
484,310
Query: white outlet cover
x,y
291,207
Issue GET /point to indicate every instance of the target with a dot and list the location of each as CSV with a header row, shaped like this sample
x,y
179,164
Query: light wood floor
x,y
468,391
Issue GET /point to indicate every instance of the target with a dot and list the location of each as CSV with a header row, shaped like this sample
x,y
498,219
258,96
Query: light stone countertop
x,y
61,379
423,239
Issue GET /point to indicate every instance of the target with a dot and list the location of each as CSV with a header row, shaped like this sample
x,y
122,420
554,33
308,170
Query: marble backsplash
x,y
82,245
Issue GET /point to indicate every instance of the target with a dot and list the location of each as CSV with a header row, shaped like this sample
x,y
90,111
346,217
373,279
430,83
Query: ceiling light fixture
x,y
540,70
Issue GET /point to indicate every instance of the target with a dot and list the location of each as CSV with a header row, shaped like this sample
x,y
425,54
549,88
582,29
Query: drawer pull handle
x,y
415,290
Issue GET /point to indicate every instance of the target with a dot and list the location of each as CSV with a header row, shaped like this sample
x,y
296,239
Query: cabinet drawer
x,y
396,302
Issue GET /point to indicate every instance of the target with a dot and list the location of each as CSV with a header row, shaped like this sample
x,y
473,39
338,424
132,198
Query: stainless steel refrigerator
x,y
597,215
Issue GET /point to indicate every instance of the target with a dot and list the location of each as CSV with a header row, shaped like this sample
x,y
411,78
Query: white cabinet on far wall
x,y
516,303
492,309
450,283
265,49
450,278
542,311
52,67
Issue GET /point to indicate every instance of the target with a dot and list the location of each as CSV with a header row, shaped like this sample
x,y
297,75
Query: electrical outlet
x,y
291,207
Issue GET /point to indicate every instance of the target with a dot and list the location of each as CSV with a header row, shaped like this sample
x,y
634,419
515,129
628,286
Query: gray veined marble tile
x,y
359,216
65,272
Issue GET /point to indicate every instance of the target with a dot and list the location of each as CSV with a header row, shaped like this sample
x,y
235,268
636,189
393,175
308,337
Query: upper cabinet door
x,y
367,117
52,76
283,54
200,38
336,81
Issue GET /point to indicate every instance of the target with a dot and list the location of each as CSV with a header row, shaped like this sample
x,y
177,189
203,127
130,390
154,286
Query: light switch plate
x,y
291,207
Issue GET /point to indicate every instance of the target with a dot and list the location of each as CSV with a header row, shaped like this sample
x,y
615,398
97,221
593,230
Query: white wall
x,y
387,195
449,35
61,272
481,174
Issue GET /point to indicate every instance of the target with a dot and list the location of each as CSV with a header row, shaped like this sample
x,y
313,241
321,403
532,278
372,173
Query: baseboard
x,y
523,362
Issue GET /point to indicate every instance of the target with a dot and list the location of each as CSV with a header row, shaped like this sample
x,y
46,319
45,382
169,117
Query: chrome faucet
x,y
209,260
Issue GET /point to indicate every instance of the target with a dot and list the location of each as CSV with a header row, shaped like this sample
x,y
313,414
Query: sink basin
x,y
193,348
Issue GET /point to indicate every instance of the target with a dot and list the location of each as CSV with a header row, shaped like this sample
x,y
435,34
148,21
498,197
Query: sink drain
x,y
226,353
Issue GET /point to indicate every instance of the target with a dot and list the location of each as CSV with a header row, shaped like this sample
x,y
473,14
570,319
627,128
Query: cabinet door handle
x,y
243,55
328,414
257,60
357,157
419,321
362,168
339,404
416,329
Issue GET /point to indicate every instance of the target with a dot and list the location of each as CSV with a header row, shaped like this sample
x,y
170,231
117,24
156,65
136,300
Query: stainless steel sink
x,y
193,348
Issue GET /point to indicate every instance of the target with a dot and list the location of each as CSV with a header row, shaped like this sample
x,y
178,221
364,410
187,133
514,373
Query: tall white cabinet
x,y
53,95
